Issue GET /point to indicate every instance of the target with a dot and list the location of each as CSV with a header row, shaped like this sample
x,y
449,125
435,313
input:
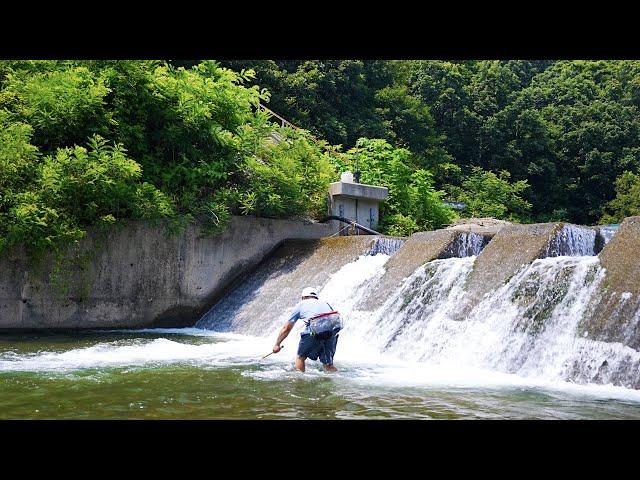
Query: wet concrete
x,y
616,313
260,296
420,248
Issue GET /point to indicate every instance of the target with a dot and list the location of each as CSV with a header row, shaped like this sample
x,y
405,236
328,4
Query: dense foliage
x,y
567,128
86,143
486,194
627,200
414,204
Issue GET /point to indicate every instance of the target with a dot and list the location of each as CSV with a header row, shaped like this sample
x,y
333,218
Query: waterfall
x,y
264,300
531,324
572,240
387,246
468,244
402,326
528,327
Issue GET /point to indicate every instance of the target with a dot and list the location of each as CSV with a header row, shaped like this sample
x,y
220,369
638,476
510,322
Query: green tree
x,y
284,175
414,204
486,194
164,141
343,100
627,200
74,189
63,106
18,163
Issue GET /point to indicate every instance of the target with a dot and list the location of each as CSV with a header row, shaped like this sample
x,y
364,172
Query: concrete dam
x,y
553,301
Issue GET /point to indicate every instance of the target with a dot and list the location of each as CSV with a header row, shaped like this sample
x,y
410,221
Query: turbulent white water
x,y
528,327
525,333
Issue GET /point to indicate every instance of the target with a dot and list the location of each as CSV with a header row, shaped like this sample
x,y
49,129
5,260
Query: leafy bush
x,y
427,206
627,200
400,225
18,157
91,183
63,106
163,142
486,194
76,188
183,124
30,221
287,176
414,204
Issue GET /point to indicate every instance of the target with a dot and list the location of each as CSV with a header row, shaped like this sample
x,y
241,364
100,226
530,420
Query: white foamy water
x,y
139,352
528,327
524,334
383,370
343,290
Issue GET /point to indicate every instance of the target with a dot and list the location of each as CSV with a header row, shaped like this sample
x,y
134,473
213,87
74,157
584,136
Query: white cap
x,y
309,292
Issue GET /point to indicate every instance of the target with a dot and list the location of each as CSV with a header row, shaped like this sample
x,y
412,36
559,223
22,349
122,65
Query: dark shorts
x,y
314,346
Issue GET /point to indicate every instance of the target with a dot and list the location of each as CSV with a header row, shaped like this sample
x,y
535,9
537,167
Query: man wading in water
x,y
320,336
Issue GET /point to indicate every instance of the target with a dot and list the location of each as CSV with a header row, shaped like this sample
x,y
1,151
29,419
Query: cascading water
x,y
419,355
387,246
265,300
572,240
468,244
401,325
528,327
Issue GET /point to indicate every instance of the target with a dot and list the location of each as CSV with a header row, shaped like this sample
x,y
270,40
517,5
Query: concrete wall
x,y
359,190
274,287
616,316
359,202
137,276
513,247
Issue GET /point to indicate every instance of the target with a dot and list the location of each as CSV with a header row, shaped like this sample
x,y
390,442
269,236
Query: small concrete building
x,y
356,201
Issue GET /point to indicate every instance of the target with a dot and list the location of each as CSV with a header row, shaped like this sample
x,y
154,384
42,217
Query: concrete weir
x,y
515,246
616,316
420,248
262,295
138,276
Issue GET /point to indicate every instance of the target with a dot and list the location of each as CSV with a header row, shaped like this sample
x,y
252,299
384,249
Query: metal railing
x,y
283,121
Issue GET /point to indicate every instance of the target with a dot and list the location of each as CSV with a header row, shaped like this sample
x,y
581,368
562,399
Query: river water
x,y
199,374
517,354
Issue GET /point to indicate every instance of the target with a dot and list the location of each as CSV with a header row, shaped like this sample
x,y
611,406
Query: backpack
x,y
325,322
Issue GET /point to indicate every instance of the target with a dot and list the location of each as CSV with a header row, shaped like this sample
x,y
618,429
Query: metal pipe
x,y
351,222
